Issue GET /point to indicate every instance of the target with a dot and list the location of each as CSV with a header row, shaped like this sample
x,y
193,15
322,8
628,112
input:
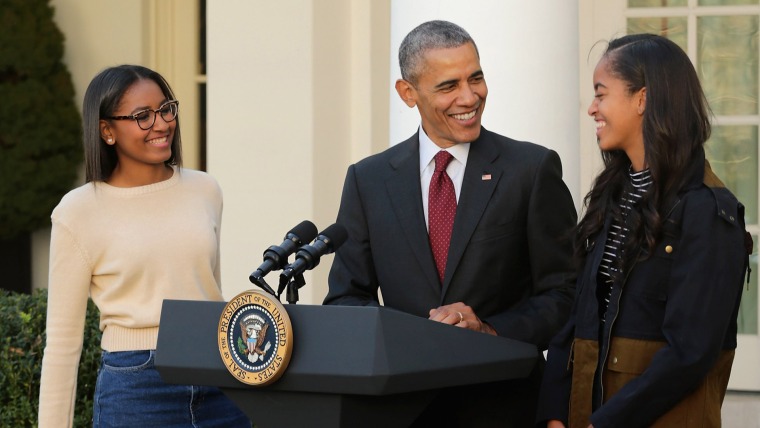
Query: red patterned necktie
x,y
442,206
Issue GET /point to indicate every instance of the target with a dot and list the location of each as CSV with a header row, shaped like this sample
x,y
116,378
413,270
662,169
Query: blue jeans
x,y
130,393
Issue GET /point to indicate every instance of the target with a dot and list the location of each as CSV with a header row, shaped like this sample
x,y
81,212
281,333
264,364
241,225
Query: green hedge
x,y
22,332
41,132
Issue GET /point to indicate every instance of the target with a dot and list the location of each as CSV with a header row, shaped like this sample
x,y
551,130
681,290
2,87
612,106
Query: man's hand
x,y
555,424
460,315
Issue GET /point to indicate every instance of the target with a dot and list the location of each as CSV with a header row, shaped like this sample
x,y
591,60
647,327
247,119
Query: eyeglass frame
x,y
156,113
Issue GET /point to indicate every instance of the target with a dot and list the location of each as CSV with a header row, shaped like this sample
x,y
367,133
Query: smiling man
x,y
460,225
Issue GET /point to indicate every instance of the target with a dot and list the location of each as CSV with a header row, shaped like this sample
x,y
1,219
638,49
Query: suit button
x,y
668,249
614,360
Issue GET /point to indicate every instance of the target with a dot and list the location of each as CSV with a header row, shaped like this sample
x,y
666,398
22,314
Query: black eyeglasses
x,y
146,118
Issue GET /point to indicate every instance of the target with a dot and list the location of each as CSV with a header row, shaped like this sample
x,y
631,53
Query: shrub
x,y
40,137
22,340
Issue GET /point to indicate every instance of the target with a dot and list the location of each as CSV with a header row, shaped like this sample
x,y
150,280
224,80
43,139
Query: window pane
x,y
732,152
726,2
672,28
656,3
747,320
728,63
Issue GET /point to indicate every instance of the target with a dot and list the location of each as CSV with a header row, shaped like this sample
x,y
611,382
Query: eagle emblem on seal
x,y
252,342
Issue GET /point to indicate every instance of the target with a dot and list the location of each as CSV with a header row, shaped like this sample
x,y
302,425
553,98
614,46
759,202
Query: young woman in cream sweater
x,y
141,230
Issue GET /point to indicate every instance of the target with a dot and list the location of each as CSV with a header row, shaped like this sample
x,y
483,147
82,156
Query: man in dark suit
x,y
507,270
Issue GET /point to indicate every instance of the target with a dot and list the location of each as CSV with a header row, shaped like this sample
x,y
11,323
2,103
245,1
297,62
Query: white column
x,y
259,127
529,54
292,101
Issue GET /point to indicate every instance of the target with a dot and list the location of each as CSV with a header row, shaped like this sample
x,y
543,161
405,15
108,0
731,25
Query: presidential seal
x,y
255,338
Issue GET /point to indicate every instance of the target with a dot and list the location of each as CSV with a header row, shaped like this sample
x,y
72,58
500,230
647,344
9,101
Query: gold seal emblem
x,y
255,338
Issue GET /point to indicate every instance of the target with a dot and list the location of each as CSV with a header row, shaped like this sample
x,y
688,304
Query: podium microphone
x,y
276,257
308,256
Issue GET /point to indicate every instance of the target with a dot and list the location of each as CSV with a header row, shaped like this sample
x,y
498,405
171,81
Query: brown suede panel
x,y
627,359
710,179
584,361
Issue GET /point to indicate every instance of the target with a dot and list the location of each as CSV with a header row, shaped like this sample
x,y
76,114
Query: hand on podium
x,y
460,315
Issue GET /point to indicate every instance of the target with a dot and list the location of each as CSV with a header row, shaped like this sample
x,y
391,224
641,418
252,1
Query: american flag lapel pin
x,y
485,177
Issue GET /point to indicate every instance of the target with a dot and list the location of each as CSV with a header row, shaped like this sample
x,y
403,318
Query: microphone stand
x,y
293,286
259,280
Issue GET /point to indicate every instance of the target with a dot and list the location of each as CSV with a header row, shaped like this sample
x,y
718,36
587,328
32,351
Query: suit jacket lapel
x,y
406,200
480,180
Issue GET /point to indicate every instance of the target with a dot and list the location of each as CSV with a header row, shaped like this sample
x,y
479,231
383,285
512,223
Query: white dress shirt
x,y
455,169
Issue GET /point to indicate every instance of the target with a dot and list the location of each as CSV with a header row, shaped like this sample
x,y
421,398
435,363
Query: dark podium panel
x,y
351,366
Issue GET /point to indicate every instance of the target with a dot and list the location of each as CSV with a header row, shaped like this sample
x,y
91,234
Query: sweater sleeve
x,y
219,199
68,288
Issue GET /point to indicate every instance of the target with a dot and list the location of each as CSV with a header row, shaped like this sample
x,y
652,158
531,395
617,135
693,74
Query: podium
x,y
351,366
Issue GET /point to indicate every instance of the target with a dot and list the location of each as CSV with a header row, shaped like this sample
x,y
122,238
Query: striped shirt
x,y
613,248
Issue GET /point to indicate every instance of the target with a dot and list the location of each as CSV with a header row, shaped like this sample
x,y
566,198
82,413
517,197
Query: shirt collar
x,y
428,150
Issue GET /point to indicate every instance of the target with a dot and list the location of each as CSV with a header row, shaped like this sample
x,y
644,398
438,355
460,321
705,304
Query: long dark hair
x,y
101,100
675,126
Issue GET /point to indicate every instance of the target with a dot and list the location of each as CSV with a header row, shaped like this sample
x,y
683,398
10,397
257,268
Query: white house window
x,y
721,38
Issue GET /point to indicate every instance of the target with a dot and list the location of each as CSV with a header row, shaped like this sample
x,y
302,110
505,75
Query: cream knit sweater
x,y
128,249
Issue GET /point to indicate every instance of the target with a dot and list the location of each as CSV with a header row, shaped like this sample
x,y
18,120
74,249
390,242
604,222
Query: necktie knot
x,y
442,160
